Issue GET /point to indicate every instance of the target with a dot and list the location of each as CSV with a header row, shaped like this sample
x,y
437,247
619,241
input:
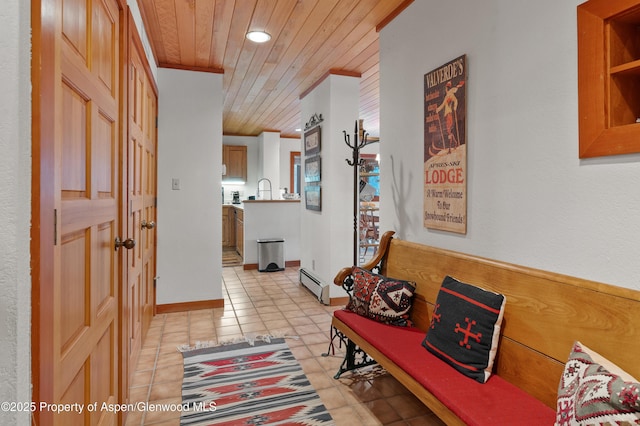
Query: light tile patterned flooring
x,y
263,303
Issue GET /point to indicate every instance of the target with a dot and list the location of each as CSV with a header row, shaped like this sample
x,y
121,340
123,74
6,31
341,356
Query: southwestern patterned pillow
x,y
465,328
593,391
382,299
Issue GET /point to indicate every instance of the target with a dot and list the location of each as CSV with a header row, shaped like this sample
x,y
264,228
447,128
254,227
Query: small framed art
x,y
312,169
312,141
313,197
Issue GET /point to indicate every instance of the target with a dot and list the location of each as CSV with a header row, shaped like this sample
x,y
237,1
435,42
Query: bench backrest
x,y
545,312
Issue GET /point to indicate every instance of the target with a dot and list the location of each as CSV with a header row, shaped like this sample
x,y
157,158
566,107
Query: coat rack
x,y
359,142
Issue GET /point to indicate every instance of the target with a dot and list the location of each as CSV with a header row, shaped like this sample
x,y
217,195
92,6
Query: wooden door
x,y
149,202
141,202
77,137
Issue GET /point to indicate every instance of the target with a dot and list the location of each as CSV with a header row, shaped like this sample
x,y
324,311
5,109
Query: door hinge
x,y
155,201
55,227
156,121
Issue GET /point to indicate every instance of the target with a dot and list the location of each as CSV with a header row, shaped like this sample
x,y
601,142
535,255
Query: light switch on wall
x,y
175,184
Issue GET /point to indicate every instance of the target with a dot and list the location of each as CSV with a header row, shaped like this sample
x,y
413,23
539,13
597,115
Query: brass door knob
x,y
147,225
129,243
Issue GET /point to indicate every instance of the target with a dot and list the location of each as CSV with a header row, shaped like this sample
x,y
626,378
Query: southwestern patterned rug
x,y
243,384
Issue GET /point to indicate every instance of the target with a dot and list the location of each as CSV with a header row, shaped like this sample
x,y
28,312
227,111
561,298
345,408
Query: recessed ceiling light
x,y
258,36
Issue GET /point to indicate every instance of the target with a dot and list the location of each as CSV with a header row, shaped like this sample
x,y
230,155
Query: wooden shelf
x,y
608,77
627,68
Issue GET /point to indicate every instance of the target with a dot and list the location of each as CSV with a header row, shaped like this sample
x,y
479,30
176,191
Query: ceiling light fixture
x,y
258,36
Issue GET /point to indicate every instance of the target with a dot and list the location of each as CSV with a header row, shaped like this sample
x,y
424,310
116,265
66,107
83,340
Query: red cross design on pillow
x,y
435,317
467,333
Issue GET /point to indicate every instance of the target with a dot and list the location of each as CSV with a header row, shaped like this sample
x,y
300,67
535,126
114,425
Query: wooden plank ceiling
x,y
263,82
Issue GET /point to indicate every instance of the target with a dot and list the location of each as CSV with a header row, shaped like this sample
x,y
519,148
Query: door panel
x,y
85,102
142,106
149,206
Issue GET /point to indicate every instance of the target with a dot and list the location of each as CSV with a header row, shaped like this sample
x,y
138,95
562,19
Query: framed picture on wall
x,y
313,197
312,169
445,147
312,141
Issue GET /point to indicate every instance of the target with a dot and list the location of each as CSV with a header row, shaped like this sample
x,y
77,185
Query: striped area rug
x,y
241,384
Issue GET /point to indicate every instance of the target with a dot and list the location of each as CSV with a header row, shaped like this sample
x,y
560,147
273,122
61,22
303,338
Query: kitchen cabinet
x,y
228,227
239,231
234,159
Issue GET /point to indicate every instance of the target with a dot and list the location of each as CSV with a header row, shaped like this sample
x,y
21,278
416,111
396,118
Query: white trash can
x,y
270,254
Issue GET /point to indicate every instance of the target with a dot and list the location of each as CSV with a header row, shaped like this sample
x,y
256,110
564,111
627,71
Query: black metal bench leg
x,y
354,356
335,333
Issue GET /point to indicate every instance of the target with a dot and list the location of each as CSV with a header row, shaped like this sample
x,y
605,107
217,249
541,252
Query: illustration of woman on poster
x,y
445,107
450,106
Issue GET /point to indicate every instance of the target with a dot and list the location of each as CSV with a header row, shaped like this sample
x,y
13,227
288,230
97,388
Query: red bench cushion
x,y
496,402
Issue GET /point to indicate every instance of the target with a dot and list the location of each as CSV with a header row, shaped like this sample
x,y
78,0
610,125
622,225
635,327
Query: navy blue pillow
x,y
465,328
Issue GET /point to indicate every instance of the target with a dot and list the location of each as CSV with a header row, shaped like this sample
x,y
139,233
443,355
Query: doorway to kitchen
x,y
294,172
232,235
230,257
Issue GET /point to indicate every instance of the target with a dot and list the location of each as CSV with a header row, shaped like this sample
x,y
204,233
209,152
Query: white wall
x,y
531,201
327,236
269,164
15,208
189,219
265,220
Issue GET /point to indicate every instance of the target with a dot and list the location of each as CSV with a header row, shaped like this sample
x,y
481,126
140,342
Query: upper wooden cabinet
x,y
609,77
234,159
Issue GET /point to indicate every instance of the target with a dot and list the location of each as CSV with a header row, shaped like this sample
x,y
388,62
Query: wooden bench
x,y
544,315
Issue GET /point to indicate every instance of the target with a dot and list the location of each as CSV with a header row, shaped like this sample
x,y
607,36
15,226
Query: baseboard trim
x,y
189,306
287,264
338,301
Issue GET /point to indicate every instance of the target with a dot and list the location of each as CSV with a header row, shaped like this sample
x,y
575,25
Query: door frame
x,y
45,217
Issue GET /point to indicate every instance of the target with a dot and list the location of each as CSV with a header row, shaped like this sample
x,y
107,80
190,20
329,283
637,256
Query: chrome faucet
x,y
265,190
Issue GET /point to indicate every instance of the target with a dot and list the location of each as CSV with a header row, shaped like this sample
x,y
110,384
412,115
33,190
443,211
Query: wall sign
x,y
445,147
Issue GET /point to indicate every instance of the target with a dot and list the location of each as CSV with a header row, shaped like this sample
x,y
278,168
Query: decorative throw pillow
x,y
382,299
594,391
465,328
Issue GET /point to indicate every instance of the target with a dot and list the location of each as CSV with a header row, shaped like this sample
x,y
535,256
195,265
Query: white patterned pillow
x,y
594,391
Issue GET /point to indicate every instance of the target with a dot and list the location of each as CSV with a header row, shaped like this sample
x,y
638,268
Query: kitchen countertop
x,y
241,205
237,206
272,201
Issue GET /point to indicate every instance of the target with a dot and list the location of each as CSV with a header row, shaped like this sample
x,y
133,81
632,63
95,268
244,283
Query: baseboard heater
x,y
315,285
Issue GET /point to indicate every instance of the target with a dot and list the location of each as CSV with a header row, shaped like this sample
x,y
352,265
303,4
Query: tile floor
x,y
262,303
